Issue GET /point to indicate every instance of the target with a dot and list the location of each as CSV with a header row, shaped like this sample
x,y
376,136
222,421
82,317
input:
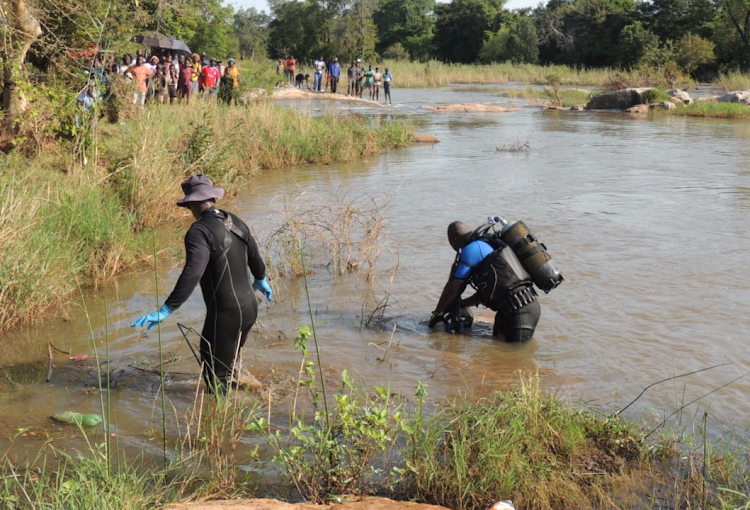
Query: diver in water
x,y
219,250
503,285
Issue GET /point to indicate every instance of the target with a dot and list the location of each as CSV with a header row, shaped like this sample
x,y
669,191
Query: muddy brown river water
x,y
647,217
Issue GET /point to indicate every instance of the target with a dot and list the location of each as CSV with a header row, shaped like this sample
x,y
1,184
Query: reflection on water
x,y
647,217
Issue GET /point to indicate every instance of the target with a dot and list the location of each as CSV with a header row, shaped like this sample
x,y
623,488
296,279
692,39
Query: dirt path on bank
x,y
367,503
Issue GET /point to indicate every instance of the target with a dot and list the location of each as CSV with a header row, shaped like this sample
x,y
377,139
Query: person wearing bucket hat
x,y
219,249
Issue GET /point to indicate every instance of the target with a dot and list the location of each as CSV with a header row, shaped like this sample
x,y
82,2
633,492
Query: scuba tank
x,y
532,254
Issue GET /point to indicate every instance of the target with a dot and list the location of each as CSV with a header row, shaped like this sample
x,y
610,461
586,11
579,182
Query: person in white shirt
x,y
320,66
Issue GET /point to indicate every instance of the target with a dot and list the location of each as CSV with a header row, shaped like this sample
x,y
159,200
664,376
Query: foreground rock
x,y
470,108
738,96
368,503
646,108
618,99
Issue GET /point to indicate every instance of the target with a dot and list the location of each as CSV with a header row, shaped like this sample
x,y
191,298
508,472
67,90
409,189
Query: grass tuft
x,y
523,445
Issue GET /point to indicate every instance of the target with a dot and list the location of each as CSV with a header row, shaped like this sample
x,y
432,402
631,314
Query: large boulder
x,y
681,95
738,96
618,99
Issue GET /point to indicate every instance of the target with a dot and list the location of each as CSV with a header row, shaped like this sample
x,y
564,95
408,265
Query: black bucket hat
x,y
198,188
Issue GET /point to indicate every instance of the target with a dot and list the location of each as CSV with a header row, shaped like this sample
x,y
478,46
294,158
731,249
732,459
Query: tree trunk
x,y
21,30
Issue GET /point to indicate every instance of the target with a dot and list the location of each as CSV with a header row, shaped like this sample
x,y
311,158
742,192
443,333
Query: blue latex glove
x,y
153,318
262,286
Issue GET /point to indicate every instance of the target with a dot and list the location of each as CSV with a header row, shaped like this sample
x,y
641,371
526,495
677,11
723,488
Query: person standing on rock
x,y
320,66
334,73
387,80
368,76
352,74
377,79
219,249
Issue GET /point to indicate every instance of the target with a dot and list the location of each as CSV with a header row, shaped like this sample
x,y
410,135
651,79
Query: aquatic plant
x,y
344,229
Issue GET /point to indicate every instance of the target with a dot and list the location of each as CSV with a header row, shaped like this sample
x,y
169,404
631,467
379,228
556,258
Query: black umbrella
x,y
157,40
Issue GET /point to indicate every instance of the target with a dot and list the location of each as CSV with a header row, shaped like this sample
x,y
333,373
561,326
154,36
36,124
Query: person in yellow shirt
x,y
196,63
234,72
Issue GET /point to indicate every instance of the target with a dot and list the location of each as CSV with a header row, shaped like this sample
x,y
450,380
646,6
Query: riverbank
x,y
524,445
70,222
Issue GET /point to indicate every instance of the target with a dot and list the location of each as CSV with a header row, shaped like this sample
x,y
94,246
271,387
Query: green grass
x,y
569,97
523,445
714,110
656,95
64,482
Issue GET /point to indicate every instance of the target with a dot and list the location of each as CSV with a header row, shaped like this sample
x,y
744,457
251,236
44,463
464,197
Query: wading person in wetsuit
x,y
219,249
502,284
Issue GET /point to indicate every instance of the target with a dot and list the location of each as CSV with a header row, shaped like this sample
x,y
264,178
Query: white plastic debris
x,y
503,505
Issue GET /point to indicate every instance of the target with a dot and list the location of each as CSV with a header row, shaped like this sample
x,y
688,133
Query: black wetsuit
x,y
219,250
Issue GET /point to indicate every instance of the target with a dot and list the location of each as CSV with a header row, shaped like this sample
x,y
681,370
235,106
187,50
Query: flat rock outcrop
x,y
617,99
469,108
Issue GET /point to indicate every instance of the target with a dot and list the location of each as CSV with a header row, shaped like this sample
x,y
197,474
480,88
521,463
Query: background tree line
x,y
699,37
693,35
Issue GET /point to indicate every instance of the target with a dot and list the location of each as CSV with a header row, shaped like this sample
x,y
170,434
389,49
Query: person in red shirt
x,y
211,77
290,65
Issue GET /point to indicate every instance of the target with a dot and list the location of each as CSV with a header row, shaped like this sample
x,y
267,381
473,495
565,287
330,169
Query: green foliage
x,y
693,51
461,26
406,23
395,52
201,155
523,445
296,30
251,29
637,45
332,454
516,41
214,33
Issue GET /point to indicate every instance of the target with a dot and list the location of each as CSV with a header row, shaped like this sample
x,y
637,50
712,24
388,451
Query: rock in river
x,y
738,96
617,99
469,108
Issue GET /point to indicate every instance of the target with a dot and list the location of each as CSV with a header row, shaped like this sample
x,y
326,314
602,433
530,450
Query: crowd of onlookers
x,y
326,75
165,77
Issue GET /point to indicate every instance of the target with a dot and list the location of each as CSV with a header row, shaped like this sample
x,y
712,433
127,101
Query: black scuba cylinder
x,y
533,255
